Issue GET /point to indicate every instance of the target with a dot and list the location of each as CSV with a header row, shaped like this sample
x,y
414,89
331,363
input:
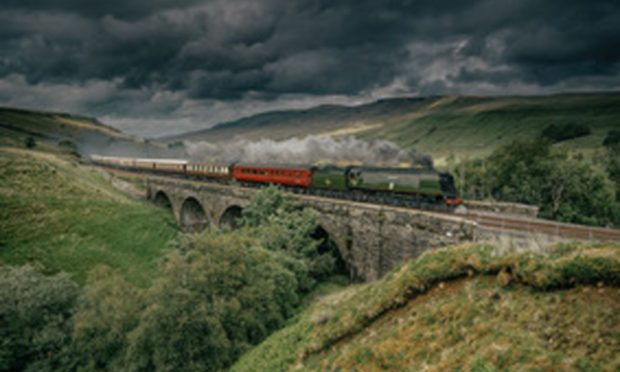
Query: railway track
x,y
540,226
484,219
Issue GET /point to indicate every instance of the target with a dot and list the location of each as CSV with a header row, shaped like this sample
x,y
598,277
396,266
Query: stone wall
x,y
513,209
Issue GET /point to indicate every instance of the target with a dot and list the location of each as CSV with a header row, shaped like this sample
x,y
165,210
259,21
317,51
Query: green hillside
x,y
469,308
466,126
52,131
62,216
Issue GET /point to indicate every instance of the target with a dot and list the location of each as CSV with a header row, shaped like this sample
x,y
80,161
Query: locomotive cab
x,y
446,182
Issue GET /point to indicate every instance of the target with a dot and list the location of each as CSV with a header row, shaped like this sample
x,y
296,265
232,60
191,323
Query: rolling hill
x,y
466,126
59,215
59,131
463,308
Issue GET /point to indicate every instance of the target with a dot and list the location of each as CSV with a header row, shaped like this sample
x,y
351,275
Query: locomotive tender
x,y
412,187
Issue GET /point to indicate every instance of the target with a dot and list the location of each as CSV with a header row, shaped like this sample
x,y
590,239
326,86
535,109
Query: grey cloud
x,y
235,53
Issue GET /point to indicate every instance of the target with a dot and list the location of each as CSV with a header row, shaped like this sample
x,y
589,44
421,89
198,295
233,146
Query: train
x,y
413,187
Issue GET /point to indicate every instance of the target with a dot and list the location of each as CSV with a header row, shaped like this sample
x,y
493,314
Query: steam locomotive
x,y
412,187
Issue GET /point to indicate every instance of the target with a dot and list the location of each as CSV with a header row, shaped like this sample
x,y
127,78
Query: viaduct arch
x,y
370,239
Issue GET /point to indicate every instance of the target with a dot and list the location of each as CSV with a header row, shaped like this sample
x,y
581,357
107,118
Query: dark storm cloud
x,y
169,56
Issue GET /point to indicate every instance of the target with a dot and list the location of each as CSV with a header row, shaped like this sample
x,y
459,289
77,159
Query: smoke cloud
x,y
309,150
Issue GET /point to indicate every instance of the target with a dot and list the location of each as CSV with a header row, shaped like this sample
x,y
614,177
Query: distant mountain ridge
x,y
316,117
459,125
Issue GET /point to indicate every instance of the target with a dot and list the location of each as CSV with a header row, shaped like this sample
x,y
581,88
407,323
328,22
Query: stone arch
x,y
329,245
231,217
161,199
192,216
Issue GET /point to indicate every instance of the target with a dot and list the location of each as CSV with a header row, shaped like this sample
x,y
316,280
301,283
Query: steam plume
x,y
309,150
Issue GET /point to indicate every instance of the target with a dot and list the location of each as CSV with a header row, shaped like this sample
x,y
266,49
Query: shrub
x,y
280,224
68,147
612,139
559,133
35,318
220,294
108,310
30,142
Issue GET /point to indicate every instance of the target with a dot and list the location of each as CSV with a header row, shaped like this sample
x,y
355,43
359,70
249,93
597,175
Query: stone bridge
x,y
372,239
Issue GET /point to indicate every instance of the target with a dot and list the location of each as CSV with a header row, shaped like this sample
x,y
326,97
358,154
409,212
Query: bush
x,y
68,147
218,296
612,143
280,224
612,139
30,142
559,133
35,318
108,310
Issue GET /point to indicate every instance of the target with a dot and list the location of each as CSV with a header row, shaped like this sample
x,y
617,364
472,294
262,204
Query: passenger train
x,y
422,188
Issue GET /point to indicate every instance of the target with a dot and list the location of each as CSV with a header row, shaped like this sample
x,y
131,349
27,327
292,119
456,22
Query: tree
x,y
35,318
108,310
612,144
30,142
280,224
219,294
566,189
559,133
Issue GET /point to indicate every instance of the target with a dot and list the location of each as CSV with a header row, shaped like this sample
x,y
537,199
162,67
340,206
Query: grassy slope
x,y
465,126
64,216
472,127
48,129
463,308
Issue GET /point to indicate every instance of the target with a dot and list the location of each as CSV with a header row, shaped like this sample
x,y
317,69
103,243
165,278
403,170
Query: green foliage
x,y
221,294
280,224
30,142
559,133
612,144
566,189
68,147
35,318
612,139
267,203
109,308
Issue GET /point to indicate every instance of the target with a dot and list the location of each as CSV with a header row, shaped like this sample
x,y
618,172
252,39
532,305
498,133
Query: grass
x,y
51,130
462,126
463,308
470,127
61,216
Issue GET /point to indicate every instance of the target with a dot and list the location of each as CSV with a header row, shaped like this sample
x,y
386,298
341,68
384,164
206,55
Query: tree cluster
x,y
218,294
566,188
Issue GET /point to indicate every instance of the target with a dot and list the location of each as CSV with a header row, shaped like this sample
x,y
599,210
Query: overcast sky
x,y
153,67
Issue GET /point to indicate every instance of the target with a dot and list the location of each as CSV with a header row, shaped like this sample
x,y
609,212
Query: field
x,y
463,308
62,216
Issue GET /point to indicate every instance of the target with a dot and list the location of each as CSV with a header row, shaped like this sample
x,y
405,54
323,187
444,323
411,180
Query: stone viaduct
x,y
371,239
